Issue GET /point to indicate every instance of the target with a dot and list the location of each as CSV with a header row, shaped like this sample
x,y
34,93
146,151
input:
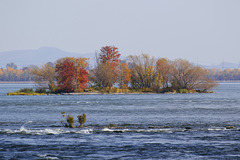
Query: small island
x,y
137,74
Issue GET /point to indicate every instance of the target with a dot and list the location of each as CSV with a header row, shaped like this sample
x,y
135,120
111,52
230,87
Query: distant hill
x,y
23,58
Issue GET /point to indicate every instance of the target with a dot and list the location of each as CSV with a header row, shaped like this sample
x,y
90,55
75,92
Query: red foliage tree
x,y
110,55
71,74
108,66
66,75
83,78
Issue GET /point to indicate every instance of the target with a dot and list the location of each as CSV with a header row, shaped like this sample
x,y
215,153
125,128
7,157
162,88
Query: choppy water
x,y
151,126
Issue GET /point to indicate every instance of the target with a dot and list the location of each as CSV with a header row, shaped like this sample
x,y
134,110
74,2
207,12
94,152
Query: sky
x,y
202,31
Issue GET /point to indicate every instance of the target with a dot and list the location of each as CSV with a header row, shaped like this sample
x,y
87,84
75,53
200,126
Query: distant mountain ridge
x,y
23,58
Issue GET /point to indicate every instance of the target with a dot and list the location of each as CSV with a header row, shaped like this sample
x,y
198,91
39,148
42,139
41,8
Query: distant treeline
x,y
11,73
225,75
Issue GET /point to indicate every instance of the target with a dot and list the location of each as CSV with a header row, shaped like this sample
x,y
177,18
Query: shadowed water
x,y
150,126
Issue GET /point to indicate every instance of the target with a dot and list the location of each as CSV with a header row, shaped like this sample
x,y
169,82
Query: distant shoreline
x,y
229,81
16,82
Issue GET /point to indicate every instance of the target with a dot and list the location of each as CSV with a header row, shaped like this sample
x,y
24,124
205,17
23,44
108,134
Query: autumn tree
x,y
44,77
142,71
163,68
106,71
71,74
124,76
103,75
187,76
110,55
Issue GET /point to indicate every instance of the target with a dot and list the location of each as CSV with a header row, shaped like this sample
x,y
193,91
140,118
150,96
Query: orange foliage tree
x,y
163,68
124,76
71,74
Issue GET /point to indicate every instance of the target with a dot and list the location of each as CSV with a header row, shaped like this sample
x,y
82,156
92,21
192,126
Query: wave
x,y
46,156
56,131
45,131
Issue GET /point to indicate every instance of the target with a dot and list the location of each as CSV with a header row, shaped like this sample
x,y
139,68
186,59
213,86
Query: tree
x,y
124,76
142,71
187,76
163,68
103,75
110,55
44,77
106,72
71,74
66,74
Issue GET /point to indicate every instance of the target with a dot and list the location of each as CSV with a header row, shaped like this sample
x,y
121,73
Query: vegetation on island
x,y
137,74
25,91
14,74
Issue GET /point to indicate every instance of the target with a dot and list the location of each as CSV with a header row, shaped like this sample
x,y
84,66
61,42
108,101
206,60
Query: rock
x,y
188,128
166,127
119,131
230,127
151,127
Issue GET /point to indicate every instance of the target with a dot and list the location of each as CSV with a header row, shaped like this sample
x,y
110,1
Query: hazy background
x,y
203,31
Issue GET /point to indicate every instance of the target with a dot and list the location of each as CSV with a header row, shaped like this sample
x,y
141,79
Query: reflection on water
x,y
155,126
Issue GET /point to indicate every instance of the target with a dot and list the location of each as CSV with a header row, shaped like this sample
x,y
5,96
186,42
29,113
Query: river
x,y
148,126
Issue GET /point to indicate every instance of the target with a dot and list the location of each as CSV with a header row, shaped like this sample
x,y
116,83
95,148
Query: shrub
x,y
147,90
26,90
41,90
81,120
69,120
183,91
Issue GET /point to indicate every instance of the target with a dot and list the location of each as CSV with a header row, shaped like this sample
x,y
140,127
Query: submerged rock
x,y
230,127
188,128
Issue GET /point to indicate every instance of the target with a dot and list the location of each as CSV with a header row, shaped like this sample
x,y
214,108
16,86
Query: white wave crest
x,y
46,131
156,130
114,130
46,156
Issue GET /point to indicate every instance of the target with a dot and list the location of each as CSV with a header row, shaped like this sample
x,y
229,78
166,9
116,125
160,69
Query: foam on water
x,y
46,131
46,156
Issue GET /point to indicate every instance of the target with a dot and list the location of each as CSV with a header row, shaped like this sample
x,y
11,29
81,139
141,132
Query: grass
x,y
25,92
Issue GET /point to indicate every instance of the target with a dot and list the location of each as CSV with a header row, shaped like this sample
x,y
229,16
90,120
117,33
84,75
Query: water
x,y
151,126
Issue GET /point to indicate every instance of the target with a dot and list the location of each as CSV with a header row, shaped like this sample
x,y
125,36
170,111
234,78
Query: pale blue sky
x,y
202,31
